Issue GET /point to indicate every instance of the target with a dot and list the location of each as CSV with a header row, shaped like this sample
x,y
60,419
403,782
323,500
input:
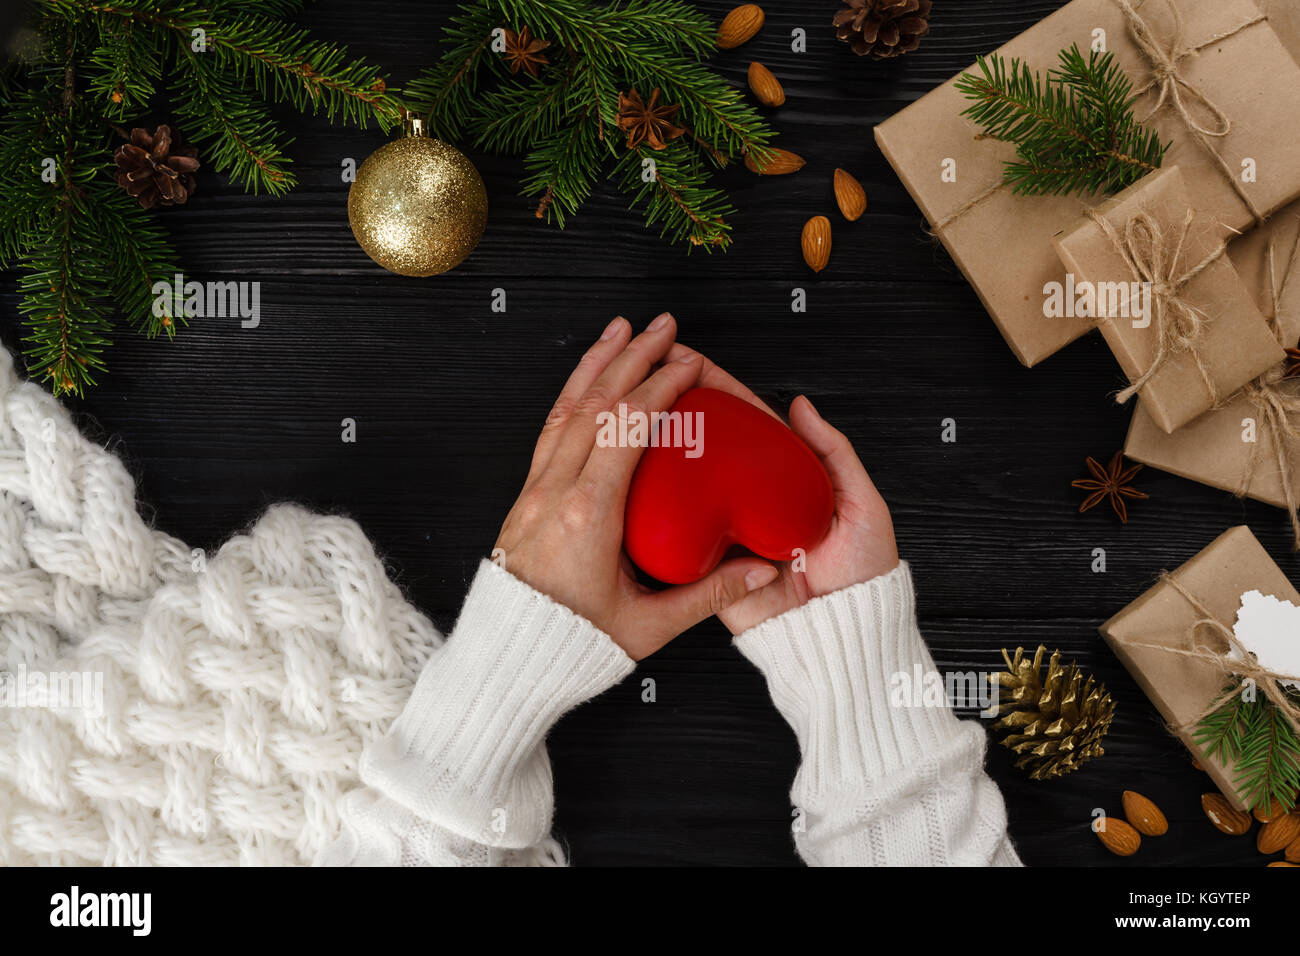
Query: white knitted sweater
x,y
463,778
242,692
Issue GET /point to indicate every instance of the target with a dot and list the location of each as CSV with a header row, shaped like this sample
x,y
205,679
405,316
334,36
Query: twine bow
x,y
1178,93
1165,72
1277,403
1234,663
1155,258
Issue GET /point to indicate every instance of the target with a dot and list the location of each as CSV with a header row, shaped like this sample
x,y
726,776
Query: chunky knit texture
x,y
239,689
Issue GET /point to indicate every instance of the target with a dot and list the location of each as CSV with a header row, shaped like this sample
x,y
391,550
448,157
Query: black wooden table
x,y
448,396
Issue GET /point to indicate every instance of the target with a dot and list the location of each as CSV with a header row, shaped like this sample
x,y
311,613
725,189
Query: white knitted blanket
x,y
162,706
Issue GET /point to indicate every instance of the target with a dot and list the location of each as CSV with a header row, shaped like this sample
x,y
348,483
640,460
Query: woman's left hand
x,y
564,536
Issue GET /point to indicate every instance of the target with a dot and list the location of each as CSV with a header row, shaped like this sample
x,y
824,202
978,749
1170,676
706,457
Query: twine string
x,y
1154,258
1178,93
1277,404
1237,665
978,200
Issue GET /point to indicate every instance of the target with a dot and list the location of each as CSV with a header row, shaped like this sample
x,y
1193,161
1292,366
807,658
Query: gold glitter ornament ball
x,y
418,207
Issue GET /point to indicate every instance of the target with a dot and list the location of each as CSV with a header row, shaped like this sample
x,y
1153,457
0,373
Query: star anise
x,y
524,52
645,122
1292,363
1111,482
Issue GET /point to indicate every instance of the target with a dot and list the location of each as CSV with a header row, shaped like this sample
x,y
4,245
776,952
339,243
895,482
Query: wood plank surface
x,y
448,397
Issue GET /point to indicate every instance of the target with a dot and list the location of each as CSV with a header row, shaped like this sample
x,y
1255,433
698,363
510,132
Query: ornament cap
x,y
413,125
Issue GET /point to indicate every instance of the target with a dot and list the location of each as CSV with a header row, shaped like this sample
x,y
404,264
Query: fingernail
x,y
812,406
611,330
689,357
760,577
658,323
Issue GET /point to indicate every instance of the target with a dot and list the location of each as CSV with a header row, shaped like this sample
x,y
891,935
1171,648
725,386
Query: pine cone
x,y
883,28
155,170
1055,724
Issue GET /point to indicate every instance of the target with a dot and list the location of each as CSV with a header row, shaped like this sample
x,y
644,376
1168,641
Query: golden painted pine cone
x,y
1053,721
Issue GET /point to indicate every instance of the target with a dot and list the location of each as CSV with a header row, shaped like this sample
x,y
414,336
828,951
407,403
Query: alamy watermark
x,y
209,300
637,429
53,690
973,690
1098,300
133,911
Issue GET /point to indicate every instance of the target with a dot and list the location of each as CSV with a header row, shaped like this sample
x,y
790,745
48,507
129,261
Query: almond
x,y
1283,863
1271,812
1144,815
740,25
1223,815
1118,837
816,242
1278,834
1293,852
781,162
765,86
850,196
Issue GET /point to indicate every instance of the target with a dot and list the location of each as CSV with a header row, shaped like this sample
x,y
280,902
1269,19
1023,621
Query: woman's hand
x,y
860,545
564,536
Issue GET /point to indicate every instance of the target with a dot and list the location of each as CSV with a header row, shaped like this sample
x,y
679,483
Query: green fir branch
x,y
563,169
283,62
1256,739
124,70
86,252
673,194
236,130
447,91
1074,129
565,121
135,240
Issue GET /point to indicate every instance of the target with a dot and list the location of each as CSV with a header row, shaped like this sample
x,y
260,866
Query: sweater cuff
x,y
467,751
835,666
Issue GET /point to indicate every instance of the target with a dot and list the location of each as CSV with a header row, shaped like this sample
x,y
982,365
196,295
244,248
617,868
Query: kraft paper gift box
x,y
1003,242
1216,449
1284,17
1153,238
1181,686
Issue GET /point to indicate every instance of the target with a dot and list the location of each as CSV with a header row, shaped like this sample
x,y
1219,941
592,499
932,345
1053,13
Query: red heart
x,y
750,481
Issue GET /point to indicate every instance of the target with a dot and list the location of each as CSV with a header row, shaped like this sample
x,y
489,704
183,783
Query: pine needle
x,y
1255,737
1074,129
86,253
565,121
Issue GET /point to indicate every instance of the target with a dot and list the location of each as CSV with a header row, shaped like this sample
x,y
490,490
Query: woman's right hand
x,y
860,544
564,536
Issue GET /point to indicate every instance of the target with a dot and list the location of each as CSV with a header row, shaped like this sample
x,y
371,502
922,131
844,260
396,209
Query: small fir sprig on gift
x,y
1074,129
1257,740
567,98
85,248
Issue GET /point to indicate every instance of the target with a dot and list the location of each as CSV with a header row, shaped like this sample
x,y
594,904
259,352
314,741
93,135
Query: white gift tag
x,y
1270,629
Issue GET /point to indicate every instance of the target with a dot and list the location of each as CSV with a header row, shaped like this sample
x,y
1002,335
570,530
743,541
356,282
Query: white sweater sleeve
x,y
462,777
879,785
